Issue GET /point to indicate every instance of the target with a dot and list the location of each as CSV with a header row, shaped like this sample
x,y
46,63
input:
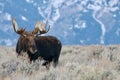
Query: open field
x,y
94,62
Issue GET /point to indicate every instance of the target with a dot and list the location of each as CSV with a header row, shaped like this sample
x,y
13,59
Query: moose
x,y
35,45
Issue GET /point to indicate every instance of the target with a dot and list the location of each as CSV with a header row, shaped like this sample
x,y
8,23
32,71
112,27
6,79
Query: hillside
x,y
94,62
72,21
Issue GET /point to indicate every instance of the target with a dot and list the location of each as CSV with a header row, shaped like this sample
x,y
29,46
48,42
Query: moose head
x,y
26,41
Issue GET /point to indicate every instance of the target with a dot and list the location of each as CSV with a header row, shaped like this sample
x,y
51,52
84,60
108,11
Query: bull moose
x,y
46,47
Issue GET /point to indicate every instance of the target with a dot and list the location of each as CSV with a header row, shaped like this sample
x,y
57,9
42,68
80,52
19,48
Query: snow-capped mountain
x,y
72,21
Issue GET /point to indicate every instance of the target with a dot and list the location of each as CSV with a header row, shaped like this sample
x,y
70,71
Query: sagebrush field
x,y
93,62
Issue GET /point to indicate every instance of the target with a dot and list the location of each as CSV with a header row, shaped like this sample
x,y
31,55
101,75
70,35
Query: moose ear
x,y
21,31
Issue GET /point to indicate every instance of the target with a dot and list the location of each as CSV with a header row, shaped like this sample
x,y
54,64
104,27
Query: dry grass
x,y
93,62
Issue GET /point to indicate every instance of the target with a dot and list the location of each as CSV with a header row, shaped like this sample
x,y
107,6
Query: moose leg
x,y
55,61
46,64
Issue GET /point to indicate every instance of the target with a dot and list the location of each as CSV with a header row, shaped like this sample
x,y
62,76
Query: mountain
x,y
74,22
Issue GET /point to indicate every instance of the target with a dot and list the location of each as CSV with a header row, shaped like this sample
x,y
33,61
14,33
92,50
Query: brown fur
x,y
46,47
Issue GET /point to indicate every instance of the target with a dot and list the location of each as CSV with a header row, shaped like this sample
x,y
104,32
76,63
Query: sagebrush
x,y
94,62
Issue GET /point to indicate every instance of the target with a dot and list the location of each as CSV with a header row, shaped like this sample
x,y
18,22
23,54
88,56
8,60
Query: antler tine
x,y
37,25
35,31
15,25
40,27
44,31
44,28
46,23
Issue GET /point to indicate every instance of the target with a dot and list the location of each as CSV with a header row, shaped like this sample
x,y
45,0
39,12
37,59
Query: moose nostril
x,y
33,50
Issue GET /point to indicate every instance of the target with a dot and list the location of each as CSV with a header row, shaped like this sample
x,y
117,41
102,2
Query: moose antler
x,y
15,26
40,27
